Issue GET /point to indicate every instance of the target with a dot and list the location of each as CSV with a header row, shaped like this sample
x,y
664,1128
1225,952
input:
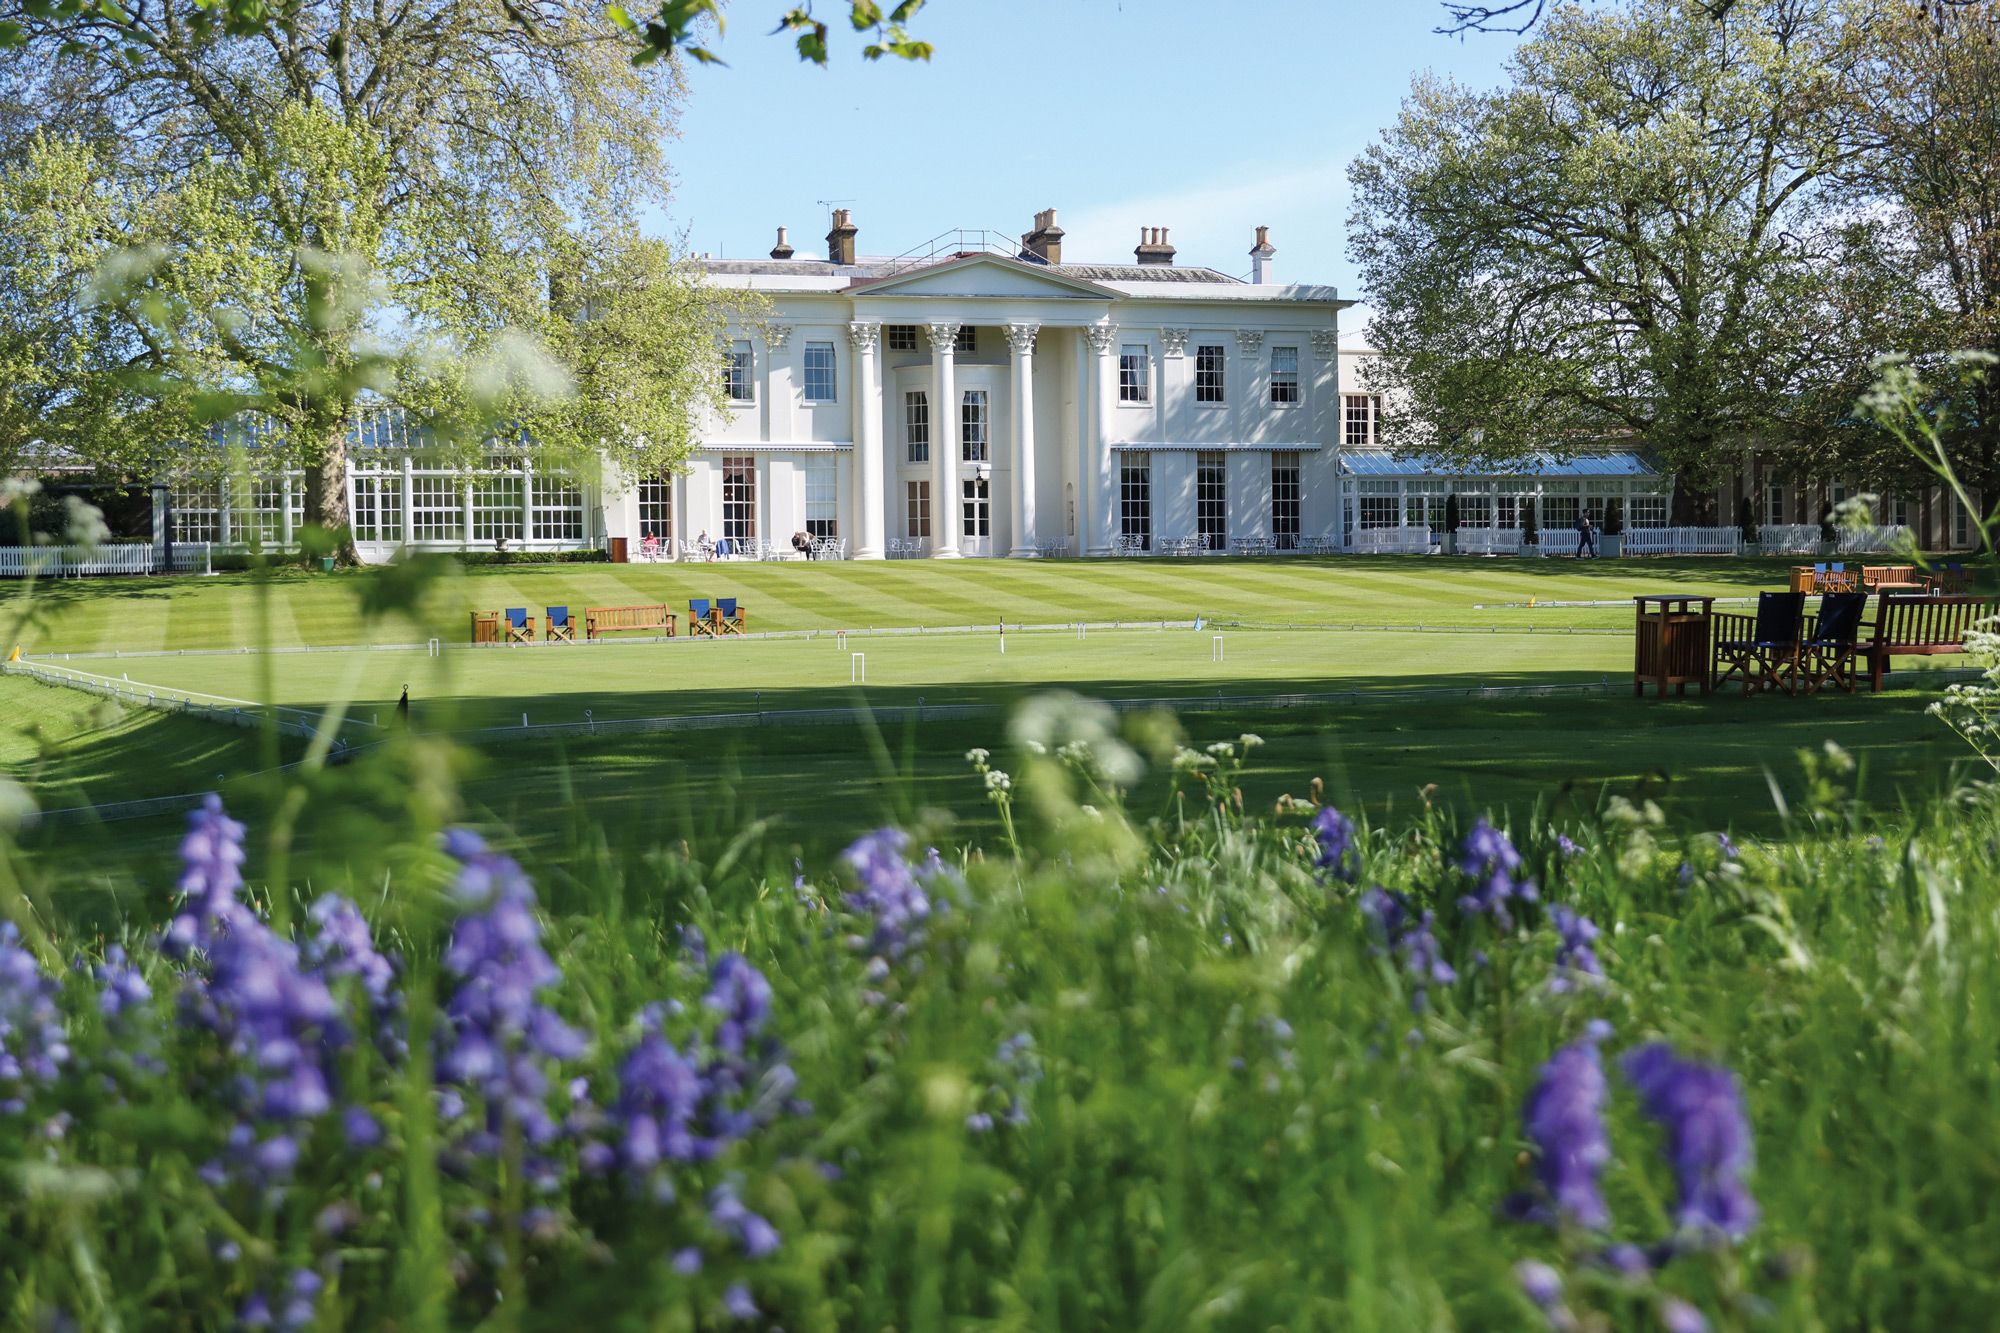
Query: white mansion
x,y
980,396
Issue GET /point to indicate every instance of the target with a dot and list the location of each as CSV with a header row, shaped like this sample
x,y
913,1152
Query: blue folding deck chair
x,y
1763,653
559,625
700,620
520,625
727,617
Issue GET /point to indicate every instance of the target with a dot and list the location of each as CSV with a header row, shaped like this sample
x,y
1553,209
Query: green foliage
x,y
1624,243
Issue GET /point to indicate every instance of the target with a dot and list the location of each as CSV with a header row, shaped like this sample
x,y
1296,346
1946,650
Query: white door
x,y
976,517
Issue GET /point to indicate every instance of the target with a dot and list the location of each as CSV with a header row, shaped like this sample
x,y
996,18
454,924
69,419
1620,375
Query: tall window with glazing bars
x,y
1135,498
1211,499
1285,493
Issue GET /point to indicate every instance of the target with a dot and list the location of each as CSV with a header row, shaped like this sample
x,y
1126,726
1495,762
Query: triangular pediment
x,y
983,275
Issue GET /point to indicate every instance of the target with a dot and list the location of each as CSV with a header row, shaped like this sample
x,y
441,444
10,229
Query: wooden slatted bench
x,y
608,619
1915,624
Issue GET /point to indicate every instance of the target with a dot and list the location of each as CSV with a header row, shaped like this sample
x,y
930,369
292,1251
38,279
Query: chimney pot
x,y
1154,247
1261,268
840,240
1045,241
783,249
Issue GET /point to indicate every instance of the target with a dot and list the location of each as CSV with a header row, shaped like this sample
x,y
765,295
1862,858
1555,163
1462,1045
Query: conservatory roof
x,y
1382,463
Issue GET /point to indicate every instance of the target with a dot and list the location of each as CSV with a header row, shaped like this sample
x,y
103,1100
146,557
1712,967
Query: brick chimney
x,y
783,249
1261,254
1153,247
840,241
1045,241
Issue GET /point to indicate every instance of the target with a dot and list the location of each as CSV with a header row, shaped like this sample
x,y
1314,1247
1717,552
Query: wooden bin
x,y
486,627
1670,643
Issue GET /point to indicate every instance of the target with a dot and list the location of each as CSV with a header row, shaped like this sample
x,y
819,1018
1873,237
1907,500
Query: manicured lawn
x,y
73,749
317,609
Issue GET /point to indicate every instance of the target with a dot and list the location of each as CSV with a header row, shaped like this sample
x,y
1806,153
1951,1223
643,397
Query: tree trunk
x,y
326,486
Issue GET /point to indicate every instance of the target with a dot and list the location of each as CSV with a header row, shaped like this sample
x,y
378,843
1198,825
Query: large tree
x,y
1927,100
311,197
1631,242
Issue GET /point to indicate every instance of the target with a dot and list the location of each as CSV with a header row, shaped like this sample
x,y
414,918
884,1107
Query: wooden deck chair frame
x,y
701,617
521,630
730,618
1832,649
1769,657
563,632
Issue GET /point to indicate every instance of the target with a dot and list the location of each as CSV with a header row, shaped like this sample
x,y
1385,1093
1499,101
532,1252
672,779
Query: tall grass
x,y
1138,1069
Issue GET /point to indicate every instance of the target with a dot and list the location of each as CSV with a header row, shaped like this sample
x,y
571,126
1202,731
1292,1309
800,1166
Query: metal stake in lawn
x,y
857,668
1003,638
1215,649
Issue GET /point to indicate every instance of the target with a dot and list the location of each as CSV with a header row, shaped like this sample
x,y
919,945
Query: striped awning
x,y
1382,463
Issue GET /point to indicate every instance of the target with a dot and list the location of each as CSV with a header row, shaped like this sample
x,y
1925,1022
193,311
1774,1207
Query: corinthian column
x,y
1094,536
944,441
1021,346
870,479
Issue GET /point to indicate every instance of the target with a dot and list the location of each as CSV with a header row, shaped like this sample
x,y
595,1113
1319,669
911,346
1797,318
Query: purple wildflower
x,y
687,1262
1539,1283
1566,846
889,890
1489,860
1564,1117
211,874
501,1037
33,1042
731,1216
1576,961
738,1303
1708,1136
1729,853
343,947
1338,856
1410,937
1677,1316
121,986
742,996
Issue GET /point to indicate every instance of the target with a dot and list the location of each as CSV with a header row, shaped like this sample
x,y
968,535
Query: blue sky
x,y
1204,116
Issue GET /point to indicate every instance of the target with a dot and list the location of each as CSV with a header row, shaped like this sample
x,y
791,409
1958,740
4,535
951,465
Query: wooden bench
x,y
608,619
1890,578
1915,624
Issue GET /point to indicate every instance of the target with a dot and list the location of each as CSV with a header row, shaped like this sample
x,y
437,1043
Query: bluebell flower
x,y
1489,860
1566,846
361,1129
1410,937
1338,856
211,874
34,1044
1708,1139
1564,1119
1539,1283
733,1218
1727,848
342,946
687,1262
742,996
500,1037
737,1301
694,943
979,1123
1576,960
121,986
1687,874
1677,1316
889,890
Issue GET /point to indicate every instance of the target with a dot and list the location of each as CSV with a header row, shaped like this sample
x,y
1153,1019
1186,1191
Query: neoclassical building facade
x,y
993,400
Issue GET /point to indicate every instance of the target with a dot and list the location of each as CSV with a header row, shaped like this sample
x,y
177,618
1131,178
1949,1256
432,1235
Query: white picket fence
x,y
63,562
1890,539
1392,541
1683,541
1489,541
1789,539
71,562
